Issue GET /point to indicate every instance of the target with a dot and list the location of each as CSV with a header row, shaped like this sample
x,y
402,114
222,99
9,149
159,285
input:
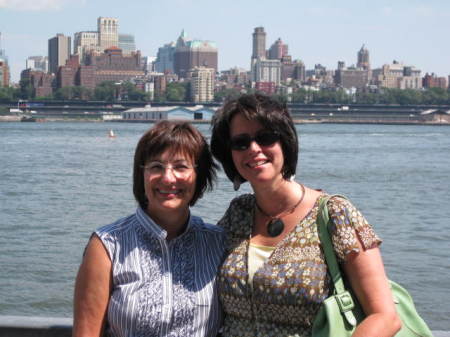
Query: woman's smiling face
x,y
258,163
168,191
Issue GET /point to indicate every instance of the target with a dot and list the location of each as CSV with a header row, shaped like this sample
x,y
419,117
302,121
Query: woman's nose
x,y
168,175
254,146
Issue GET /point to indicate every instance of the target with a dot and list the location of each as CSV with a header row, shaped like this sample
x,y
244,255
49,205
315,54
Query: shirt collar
x,y
151,226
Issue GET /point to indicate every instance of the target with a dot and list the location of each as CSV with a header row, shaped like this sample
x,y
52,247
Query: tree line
x,y
180,92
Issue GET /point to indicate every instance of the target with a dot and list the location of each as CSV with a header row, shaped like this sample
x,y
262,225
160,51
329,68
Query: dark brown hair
x,y
178,137
271,114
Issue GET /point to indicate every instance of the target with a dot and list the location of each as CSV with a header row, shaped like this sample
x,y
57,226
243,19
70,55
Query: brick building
x,y
351,77
193,53
42,83
4,73
432,81
113,66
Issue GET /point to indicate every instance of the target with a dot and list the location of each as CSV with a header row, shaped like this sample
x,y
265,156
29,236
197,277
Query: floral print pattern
x,y
292,284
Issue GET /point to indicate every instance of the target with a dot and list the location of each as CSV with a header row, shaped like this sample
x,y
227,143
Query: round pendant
x,y
275,227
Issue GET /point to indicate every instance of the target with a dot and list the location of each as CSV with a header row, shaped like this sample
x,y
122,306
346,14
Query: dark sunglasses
x,y
262,138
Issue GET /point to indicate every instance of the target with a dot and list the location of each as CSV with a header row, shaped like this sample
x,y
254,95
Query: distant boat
x,y
111,134
28,119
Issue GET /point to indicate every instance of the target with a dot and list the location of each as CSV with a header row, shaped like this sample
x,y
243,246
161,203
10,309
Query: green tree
x,y
26,89
177,92
300,96
129,92
64,93
106,91
8,93
226,94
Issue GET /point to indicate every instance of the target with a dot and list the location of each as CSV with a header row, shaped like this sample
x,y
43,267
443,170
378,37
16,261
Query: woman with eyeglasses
x,y
274,278
153,273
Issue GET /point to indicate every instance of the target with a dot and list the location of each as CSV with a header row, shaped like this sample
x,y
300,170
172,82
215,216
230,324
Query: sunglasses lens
x,y
241,142
267,138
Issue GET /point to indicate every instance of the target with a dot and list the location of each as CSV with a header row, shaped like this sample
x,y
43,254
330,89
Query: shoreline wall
x,y
25,326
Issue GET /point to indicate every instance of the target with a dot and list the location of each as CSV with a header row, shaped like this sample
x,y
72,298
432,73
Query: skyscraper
x,y
127,43
58,52
4,73
84,42
108,32
278,50
259,43
4,68
202,84
165,57
193,53
363,59
37,63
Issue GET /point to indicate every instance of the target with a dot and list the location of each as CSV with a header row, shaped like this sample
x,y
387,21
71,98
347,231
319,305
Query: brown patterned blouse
x,y
291,285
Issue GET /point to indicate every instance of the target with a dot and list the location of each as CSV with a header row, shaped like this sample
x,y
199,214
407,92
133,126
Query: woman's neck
x,y
173,223
277,197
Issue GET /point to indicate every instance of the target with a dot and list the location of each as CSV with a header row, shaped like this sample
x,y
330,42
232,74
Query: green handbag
x,y
340,313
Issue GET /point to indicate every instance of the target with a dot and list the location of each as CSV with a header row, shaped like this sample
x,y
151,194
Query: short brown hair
x,y
179,137
271,114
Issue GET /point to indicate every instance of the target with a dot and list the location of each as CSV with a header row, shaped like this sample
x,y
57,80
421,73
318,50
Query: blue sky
x,y
415,32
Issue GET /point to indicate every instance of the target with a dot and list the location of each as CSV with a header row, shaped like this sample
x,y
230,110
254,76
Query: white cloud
x,y
36,5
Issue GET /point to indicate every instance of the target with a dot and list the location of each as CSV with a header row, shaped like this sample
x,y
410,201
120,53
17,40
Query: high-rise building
x,y
202,84
108,32
37,63
193,53
278,50
397,75
259,43
4,67
127,43
165,58
58,52
363,59
267,71
4,73
84,42
351,77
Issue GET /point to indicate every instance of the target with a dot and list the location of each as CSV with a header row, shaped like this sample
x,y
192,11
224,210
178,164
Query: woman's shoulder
x,y
349,227
203,226
246,201
117,227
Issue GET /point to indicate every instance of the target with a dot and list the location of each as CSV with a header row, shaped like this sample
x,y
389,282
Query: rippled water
x,y
59,181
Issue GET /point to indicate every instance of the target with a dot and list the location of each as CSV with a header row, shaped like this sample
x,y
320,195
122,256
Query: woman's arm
x,y
367,277
92,291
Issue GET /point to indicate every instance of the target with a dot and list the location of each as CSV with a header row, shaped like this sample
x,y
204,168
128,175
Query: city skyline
x,y
412,32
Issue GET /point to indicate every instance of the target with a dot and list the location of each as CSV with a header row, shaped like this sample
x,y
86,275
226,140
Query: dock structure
x,y
24,326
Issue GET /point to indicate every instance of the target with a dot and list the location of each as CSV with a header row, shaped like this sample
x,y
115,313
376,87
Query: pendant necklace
x,y
275,226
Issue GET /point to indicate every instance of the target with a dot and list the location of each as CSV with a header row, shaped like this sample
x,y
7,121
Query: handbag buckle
x,y
345,301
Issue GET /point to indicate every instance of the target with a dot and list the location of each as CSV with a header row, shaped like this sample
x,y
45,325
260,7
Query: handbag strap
x,y
342,296
324,222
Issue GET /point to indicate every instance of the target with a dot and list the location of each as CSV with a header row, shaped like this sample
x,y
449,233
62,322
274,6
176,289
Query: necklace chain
x,y
286,212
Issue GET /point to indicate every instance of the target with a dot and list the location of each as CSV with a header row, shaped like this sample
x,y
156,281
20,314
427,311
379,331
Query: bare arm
x,y
367,277
92,291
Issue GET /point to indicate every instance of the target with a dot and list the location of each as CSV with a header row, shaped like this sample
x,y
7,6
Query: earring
x,y
236,182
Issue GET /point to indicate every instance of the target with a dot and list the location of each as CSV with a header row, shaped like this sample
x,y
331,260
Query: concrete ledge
x,y
24,326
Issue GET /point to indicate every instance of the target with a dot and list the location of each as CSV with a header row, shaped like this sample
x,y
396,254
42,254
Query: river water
x,y
59,181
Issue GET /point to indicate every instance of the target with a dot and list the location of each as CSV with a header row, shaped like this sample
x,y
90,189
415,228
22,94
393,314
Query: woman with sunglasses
x,y
274,277
153,273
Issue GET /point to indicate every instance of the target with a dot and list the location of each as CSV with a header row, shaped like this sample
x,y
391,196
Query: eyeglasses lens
x,y
179,170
